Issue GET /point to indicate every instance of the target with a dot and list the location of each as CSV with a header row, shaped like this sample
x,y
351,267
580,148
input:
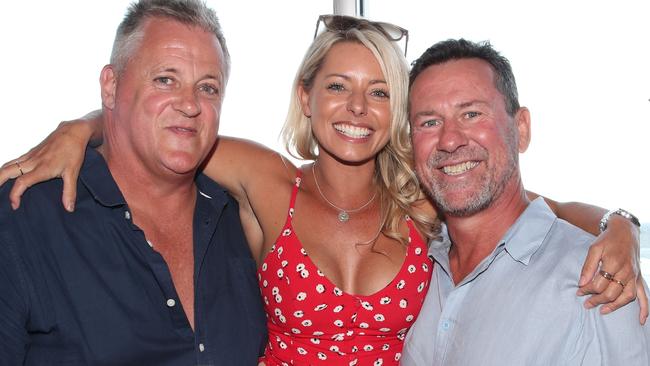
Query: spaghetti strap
x,y
294,194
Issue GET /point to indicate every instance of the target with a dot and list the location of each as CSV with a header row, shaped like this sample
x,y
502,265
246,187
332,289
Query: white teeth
x,y
352,131
459,168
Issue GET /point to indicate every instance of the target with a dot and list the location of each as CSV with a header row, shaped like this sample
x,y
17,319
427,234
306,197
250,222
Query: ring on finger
x,y
619,282
20,169
608,276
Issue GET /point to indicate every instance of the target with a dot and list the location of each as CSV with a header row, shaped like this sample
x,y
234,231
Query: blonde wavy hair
x,y
399,187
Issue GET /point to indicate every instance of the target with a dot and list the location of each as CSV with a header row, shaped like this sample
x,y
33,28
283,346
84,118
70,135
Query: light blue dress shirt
x,y
519,306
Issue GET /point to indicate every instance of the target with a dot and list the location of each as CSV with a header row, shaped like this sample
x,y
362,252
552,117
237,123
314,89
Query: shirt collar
x,y
521,241
527,234
97,178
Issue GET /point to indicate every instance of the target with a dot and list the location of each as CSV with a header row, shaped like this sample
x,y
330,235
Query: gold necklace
x,y
344,215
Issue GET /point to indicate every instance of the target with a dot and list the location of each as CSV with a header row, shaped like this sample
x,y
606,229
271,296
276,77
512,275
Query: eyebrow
x,y
432,112
375,81
206,76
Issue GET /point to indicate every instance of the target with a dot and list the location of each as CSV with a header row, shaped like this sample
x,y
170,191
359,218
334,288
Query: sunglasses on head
x,y
343,23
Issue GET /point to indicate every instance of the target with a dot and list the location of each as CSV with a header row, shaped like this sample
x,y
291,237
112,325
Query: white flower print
x,y
265,283
278,312
282,319
318,333
264,266
320,307
303,251
425,267
278,298
411,269
322,356
291,212
300,267
334,348
338,337
302,351
409,318
338,323
284,263
295,330
283,345
353,362
398,356
379,317
401,284
315,341
298,313
385,347
403,303
418,251
378,362
304,273
280,273
306,323
363,325
320,288
280,250
384,300
385,330
366,305
421,287
338,308
275,290
286,232
301,296
337,291
367,348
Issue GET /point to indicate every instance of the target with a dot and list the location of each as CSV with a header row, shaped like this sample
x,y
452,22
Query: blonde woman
x,y
340,243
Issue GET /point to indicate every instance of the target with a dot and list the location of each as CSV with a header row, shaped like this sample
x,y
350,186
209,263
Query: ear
x,y
522,119
303,95
108,83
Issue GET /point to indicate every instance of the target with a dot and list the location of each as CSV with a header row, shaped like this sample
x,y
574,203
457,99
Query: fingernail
x,y
588,305
70,207
583,280
605,310
14,206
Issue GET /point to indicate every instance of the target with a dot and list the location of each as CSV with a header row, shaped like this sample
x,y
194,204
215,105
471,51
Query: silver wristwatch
x,y
621,212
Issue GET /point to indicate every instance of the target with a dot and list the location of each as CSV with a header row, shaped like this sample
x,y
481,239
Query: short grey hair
x,y
190,12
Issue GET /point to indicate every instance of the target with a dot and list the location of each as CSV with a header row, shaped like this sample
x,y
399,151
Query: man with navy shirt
x,y
152,268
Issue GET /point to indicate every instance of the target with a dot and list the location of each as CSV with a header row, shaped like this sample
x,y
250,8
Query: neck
x,y
144,189
474,237
347,186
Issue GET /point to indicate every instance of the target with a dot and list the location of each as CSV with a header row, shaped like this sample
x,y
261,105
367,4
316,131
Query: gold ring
x,y
20,169
608,276
619,282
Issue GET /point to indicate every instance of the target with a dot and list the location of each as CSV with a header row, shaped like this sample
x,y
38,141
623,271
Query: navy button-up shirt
x,y
85,288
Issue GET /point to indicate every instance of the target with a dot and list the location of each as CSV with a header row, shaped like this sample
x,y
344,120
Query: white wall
x,y
581,67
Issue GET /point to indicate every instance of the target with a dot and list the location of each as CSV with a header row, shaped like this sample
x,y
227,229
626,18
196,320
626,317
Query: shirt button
x,y
201,347
445,325
171,303
127,215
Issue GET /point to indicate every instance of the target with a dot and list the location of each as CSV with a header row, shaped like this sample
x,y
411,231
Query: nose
x,y
357,104
188,103
452,137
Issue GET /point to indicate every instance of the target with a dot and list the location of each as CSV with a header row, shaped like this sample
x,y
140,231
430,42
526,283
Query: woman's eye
x,y
380,93
336,87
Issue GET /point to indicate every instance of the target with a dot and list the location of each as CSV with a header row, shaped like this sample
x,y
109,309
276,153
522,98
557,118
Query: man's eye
x,y
209,89
431,123
472,114
164,80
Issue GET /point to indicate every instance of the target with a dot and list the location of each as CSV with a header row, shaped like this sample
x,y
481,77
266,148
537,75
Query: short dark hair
x,y
457,49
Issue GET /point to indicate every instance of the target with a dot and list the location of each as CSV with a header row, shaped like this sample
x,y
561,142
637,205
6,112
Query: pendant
x,y
343,216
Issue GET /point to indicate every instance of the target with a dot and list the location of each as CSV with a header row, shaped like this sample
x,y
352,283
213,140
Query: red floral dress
x,y
313,322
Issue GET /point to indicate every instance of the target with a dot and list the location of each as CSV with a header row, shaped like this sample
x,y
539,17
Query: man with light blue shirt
x,y
503,291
